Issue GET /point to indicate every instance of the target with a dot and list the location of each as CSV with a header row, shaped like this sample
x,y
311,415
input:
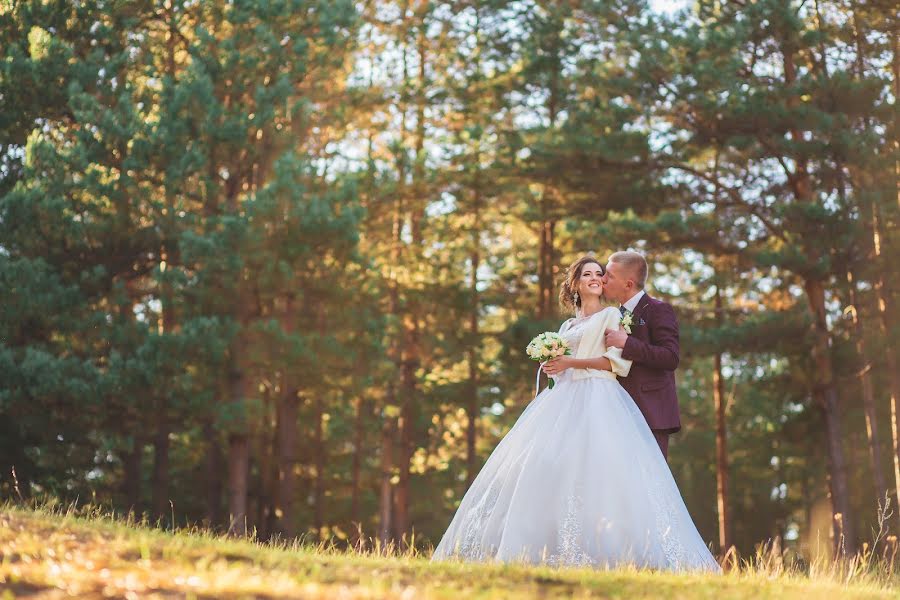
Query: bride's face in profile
x,y
590,283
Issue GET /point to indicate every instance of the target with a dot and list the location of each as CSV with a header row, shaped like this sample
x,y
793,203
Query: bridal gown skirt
x,y
578,481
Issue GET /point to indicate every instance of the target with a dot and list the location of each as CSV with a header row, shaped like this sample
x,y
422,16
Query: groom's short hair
x,y
635,263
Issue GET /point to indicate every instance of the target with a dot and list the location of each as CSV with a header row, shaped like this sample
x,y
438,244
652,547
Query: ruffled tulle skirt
x,y
578,481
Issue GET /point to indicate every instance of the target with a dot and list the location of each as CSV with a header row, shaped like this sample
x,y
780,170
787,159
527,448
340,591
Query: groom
x,y
652,345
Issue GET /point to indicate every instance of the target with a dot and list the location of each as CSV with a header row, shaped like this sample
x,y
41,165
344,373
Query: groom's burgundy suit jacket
x,y
653,348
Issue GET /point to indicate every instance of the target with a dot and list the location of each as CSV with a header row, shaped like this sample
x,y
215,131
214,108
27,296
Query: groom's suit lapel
x,y
642,305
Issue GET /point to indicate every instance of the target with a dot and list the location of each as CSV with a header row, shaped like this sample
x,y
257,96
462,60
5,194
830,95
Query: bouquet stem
x,y
537,380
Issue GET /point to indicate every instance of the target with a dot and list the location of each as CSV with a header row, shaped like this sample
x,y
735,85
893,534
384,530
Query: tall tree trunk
x,y
386,509
722,500
288,409
546,264
886,312
826,391
868,395
160,495
472,403
410,352
215,462
241,386
386,495
238,472
827,396
132,456
389,426
132,474
238,447
286,438
473,351
546,250
266,488
319,463
406,441
160,484
359,430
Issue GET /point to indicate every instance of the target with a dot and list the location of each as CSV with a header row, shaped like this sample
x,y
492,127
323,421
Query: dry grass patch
x,y
47,553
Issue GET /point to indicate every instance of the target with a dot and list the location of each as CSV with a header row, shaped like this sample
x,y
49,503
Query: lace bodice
x,y
573,330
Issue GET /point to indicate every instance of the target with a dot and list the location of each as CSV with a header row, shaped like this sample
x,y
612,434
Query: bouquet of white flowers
x,y
546,346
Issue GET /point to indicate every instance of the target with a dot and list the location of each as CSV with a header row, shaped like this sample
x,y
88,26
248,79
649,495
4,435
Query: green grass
x,y
53,553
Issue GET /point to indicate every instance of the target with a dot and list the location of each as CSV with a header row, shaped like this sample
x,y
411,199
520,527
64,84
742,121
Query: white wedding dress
x,y
579,480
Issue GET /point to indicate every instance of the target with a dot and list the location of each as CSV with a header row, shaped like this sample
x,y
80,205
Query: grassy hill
x,y
56,554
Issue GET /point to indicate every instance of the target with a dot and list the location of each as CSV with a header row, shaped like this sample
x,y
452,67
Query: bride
x,y
579,480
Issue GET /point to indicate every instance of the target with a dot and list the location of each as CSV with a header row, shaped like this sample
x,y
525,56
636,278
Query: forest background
x,y
271,266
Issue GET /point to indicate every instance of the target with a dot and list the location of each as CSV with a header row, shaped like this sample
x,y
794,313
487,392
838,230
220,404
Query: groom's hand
x,y
616,338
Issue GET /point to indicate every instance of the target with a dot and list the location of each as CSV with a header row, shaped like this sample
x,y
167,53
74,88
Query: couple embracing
x,y
581,479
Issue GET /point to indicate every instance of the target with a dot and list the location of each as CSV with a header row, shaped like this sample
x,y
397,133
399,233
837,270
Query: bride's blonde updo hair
x,y
570,283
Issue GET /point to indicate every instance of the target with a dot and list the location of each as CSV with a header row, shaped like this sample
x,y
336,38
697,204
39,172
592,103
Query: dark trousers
x,y
662,438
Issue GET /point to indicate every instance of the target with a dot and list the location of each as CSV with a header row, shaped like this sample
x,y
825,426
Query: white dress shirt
x,y
633,301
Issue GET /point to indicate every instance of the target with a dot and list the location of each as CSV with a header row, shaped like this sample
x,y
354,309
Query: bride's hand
x,y
557,365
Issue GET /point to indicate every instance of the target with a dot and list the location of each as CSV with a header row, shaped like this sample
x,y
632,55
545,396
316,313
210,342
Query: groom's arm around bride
x,y
652,344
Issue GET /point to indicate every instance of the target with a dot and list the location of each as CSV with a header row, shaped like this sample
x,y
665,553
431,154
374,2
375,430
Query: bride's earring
x,y
575,298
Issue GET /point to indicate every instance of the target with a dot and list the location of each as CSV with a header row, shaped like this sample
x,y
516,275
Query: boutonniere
x,y
627,320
